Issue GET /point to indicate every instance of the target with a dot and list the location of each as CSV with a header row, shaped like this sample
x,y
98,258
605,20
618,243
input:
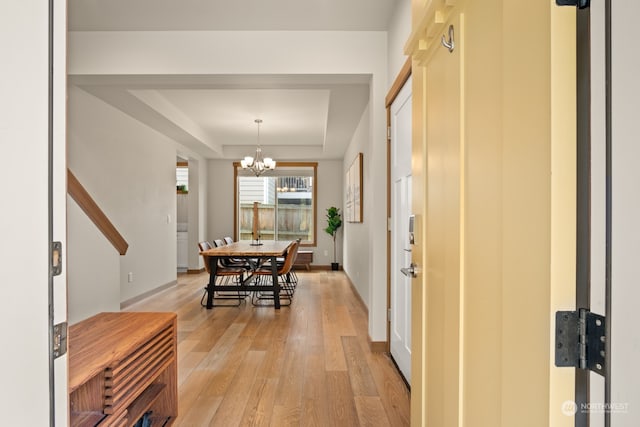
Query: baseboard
x,y
374,346
321,267
357,294
131,301
377,346
195,271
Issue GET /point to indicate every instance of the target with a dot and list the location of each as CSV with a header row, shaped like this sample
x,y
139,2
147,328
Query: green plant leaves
x,y
334,221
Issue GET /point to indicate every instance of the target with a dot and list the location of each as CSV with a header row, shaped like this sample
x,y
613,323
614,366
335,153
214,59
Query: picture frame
x,y
353,208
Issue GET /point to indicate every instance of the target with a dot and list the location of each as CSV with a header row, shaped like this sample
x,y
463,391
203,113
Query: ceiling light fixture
x,y
258,164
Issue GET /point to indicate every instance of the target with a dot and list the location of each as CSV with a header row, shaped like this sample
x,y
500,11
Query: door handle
x,y
411,271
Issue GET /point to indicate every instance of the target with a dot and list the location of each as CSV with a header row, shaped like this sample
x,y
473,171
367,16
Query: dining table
x,y
255,253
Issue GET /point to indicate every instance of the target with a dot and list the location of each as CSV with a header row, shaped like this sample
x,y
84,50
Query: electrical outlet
x,y
326,252
130,277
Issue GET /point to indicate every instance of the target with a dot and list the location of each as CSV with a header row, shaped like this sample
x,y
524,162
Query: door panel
x,y
400,322
59,198
25,131
442,232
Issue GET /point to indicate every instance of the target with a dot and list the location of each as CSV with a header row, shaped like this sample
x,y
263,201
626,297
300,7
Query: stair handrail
x,y
93,211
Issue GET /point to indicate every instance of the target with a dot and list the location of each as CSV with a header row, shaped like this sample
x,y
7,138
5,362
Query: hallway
x,y
308,364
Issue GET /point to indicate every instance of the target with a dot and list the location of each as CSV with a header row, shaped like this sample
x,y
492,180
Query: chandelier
x,y
258,164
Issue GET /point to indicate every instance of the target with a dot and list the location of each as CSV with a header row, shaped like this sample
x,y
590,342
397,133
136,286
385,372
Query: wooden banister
x,y
93,211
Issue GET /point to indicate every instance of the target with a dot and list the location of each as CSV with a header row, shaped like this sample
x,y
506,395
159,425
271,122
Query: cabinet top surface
x,y
103,340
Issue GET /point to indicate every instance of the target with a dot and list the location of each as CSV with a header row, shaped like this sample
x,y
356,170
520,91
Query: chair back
x,y
292,253
203,247
218,243
228,240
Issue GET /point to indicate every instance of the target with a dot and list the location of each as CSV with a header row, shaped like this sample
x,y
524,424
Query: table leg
x,y
213,268
276,282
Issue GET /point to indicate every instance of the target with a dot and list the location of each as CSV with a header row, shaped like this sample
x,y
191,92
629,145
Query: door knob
x,y
411,271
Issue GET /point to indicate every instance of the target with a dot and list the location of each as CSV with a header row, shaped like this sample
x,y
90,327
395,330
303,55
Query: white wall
x,y
220,199
96,289
330,187
198,211
357,257
227,52
399,31
129,170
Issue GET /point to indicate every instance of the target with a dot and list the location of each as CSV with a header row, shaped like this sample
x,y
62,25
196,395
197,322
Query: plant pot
x,y
335,266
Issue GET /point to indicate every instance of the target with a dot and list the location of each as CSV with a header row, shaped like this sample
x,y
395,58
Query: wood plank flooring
x,y
308,364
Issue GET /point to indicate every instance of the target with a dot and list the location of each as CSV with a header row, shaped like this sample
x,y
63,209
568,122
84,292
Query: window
x,y
182,177
284,203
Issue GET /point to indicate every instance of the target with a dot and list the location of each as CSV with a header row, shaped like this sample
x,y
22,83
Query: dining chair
x,y
225,275
287,287
281,260
233,262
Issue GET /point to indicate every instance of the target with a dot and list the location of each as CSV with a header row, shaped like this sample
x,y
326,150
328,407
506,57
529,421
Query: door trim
x,y
583,190
50,147
583,201
398,84
608,202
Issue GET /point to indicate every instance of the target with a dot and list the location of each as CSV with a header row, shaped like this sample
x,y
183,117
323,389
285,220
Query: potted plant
x,y
334,221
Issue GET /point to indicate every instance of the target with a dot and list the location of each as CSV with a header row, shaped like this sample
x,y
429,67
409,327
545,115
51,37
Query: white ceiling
x,y
304,116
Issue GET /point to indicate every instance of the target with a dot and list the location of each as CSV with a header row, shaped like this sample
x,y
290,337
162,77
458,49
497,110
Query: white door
x,y
400,319
35,392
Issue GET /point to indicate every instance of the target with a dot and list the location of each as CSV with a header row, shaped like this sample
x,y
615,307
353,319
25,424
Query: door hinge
x,y
581,4
59,340
580,340
388,133
389,224
388,315
56,258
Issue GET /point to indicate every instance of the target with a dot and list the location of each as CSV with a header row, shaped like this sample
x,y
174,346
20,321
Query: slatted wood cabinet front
x,y
122,365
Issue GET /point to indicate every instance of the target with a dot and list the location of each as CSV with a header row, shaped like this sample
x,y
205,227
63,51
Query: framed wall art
x,y
353,192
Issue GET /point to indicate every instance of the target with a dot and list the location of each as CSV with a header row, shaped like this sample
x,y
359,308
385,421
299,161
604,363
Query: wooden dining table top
x,y
268,248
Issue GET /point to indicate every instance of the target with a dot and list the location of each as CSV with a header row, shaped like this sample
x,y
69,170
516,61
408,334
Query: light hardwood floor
x,y
308,364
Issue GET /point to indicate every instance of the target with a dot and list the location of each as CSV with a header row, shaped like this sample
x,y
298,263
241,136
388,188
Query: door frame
x,y
57,221
583,198
398,84
583,190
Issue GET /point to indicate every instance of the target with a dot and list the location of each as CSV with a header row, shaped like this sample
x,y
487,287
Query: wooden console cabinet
x,y
122,365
